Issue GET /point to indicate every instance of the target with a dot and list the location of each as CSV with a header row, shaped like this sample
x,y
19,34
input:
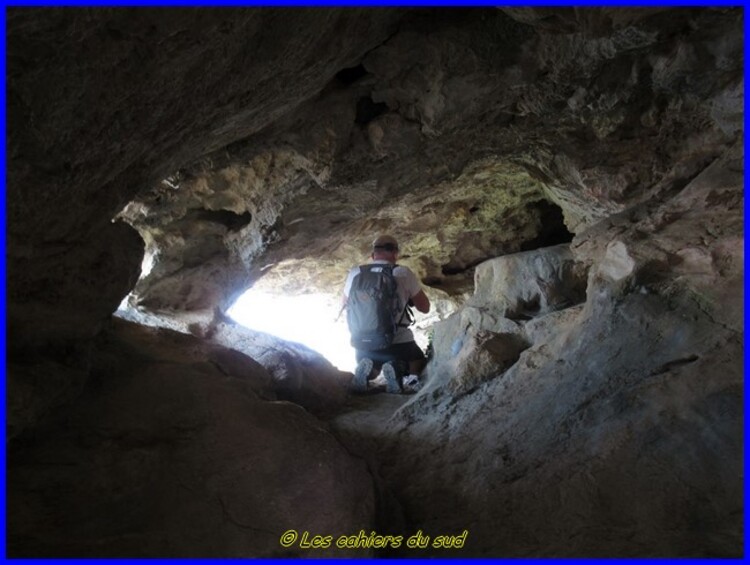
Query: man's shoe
x,y
391,380
411,383
362,375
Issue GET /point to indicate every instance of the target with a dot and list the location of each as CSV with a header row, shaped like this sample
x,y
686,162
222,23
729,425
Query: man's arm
x,y
344,300
421,302
347,288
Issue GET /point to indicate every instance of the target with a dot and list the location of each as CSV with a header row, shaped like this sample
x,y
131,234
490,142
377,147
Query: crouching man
x,y
377,298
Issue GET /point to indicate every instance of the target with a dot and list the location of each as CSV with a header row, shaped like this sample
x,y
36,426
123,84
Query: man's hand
x,y
421,302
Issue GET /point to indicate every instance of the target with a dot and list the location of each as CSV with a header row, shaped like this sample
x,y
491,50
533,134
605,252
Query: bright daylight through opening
x,y
309,319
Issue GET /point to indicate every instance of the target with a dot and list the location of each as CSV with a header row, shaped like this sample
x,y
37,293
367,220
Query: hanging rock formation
x,y
567,183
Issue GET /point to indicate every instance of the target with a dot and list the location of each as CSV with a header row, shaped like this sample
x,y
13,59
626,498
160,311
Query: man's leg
x,y
413,361
398,360
392,377
416,366
413,357
361,375
387,361
406,358
366,370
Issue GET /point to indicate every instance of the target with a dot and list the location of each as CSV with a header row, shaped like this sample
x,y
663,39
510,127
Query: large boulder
x,y
619,432
55,308
530,284
299,374
178,448
518,303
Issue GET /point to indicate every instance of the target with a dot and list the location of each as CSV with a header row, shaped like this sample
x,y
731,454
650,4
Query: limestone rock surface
x,y
486,336
643,379
178,448
299,374
654,414
104,103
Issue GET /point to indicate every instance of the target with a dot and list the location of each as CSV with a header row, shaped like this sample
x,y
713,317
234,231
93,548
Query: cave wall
x,y
478,122
612,427
180,448
105,102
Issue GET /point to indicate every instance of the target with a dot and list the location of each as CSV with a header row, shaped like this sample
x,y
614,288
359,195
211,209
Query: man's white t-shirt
x,y
407,285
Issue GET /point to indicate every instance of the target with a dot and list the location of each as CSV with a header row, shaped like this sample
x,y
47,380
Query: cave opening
x,y
313,320
231,220
351,75
552,231
368,110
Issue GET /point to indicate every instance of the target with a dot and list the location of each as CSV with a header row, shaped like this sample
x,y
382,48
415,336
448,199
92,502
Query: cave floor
x,y
361,423
364,426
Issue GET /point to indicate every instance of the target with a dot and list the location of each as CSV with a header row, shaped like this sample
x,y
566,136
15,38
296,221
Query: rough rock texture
x,y
656,423
620,432
103,103
64,295
267,147
178,448
461,134
300,374
531,284
486,336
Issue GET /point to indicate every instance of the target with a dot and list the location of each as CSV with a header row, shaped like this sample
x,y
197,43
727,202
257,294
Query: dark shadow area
x,y
525,309
351,75
368,110
553,229
231,220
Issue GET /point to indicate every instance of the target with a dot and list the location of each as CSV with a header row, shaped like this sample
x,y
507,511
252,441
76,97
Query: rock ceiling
x,y
267,146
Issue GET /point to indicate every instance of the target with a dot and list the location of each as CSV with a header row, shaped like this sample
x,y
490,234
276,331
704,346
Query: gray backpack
x,y
372,307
